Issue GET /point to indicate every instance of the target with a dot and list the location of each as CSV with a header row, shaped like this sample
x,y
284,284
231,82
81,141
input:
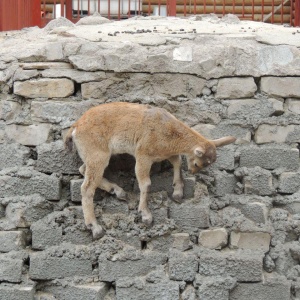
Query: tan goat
x,y
148,133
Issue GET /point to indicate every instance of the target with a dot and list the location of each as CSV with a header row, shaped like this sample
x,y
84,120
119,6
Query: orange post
x,y
69,13
297,13
16,14
172,8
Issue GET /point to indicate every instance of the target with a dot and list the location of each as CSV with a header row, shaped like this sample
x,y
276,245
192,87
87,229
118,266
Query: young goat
x,y
148,133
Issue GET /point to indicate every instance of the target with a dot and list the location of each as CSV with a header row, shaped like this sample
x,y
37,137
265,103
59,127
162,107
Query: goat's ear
x,y
224,141
199,151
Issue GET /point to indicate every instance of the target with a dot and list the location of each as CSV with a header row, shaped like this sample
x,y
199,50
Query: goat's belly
x,y
118,146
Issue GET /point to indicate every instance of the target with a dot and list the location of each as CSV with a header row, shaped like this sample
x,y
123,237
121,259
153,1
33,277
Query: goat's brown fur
x,y
148,133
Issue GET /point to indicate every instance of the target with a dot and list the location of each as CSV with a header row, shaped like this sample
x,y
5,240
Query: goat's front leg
x,y
142,171
177,181
94,170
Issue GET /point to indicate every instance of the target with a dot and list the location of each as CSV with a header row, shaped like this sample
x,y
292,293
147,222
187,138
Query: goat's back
x,y
123,127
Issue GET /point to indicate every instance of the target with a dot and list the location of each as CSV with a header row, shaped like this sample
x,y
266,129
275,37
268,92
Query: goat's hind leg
x,y
108,186
93,177
113,188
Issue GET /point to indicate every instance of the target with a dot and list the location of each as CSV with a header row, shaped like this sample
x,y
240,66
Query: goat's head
x,y
203,156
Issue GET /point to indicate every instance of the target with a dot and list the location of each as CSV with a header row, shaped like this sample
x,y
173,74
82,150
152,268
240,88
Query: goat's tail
x,y
69,139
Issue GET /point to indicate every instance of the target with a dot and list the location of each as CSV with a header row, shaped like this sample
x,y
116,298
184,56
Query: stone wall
x,y
236,235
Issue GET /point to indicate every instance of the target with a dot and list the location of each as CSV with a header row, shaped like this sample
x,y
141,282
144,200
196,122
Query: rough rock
x,y
44,88
213,238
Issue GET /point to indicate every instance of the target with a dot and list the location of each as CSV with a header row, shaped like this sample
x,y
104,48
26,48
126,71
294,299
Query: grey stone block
x,y
244,266
61,112
114,270
158,204
258,181
178,241
276,290
293,105
213,238
41,295
251,110
134,86
129,238
270,158
75,186
225,183
77,237
93,291
214,288
255,211
54,158
76,75
160,243
250,240
22,75
10,269
24,210
235,88
225,159
63,226
266,133
17,292
28,135
26,181
281,86
44,88
130,289
190,215
47,268
12,240
44,235
181,241
9,110
13,155
289,182
182,265
189,293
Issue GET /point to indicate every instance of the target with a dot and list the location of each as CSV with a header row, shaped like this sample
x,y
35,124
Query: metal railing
x,y
271,11
17,14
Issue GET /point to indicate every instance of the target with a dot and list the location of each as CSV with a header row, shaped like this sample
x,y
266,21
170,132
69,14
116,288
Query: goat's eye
x,y
196,165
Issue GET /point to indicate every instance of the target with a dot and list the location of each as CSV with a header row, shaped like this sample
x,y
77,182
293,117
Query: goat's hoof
x,y
147,218
178,197
97,231
122,195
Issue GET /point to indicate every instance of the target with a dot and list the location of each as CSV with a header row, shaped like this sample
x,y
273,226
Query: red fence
x,y
17,14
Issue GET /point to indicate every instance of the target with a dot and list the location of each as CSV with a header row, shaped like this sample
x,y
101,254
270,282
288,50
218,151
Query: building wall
x,y
236,234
